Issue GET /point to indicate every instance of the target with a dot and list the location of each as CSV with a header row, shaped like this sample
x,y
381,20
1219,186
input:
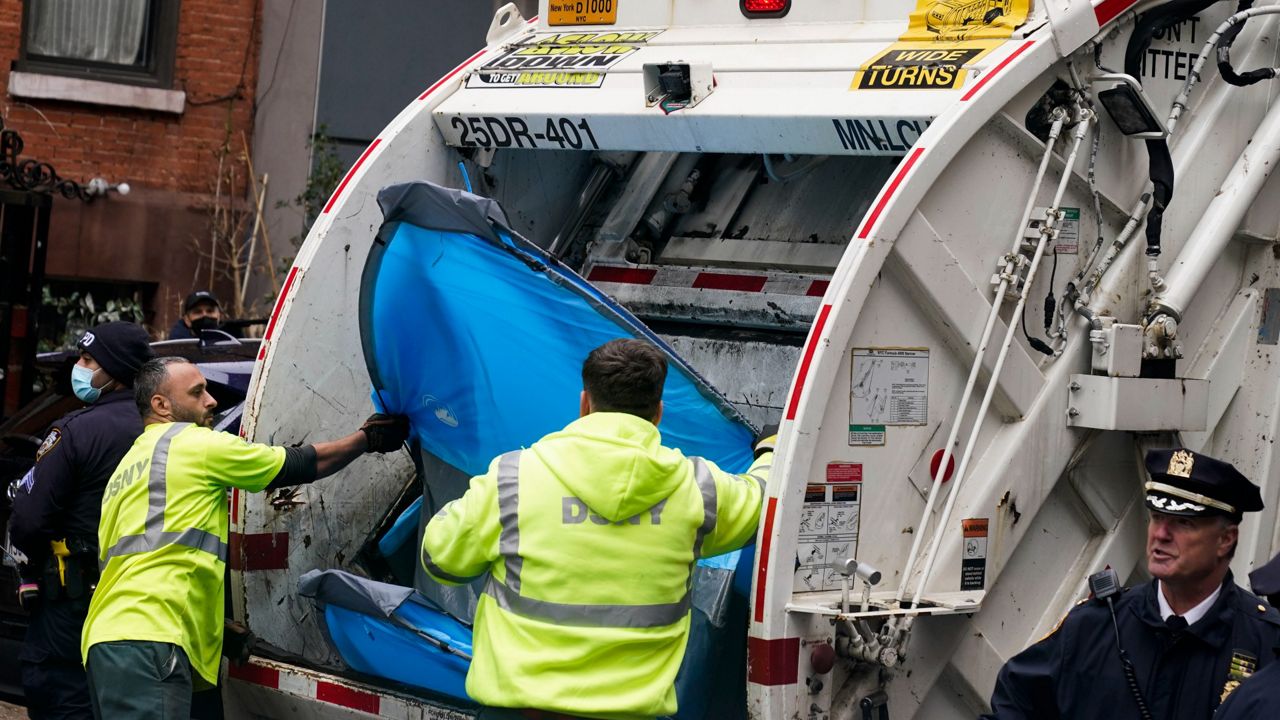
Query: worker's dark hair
x,y
149,379
625,376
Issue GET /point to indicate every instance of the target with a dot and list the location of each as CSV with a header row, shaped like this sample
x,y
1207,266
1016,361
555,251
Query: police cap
x,y
1184,482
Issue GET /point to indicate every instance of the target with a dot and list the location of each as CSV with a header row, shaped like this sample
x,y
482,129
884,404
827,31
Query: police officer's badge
x,y
1242,666
50,441
1181,463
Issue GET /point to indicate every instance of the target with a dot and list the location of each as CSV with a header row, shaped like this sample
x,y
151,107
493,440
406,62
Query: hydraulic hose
x,y
1055,131
1221,39
1229,73
1159,161
1218,222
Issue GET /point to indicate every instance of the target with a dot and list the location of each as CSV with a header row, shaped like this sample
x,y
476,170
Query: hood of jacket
x,y
613,462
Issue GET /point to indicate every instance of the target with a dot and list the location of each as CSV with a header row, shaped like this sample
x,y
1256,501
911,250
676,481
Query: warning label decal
x,y
945,20
560,60
973,560
919,68
828,527
943,38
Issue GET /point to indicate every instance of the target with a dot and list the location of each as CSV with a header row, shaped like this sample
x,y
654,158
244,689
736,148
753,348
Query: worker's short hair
x,y
625,376
150,377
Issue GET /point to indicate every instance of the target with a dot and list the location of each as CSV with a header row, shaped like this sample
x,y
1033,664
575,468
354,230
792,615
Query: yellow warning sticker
x,y
921,66
582,12
943,38
949,20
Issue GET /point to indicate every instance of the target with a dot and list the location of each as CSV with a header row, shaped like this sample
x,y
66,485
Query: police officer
x,y
1259,696
589,537
1190,635
55,516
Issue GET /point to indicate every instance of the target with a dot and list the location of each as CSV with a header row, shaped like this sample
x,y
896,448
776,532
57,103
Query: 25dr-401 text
x,y
513,132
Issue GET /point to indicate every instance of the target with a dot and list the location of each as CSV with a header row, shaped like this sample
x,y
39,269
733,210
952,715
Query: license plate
x,y
583,12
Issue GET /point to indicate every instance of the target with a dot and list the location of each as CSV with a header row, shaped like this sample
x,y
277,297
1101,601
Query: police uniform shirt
x,y
62,494
61,497
1258,697
1075,672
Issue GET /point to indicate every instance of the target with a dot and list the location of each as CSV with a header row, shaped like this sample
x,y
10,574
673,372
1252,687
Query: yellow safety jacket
x,y
163,539
589,538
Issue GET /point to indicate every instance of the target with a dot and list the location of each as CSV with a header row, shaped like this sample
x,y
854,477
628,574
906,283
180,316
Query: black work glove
x,y
386,433
237,642
766,440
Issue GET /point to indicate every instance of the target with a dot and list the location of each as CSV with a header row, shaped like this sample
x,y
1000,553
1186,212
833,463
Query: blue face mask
x,y
82,384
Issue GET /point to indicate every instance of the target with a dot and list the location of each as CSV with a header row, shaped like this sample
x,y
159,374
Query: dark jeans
x,y
53,678
139,680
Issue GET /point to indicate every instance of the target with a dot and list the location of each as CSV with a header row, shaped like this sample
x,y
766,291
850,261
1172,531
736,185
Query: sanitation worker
x,y
156,621
55,516
589,537
1191,635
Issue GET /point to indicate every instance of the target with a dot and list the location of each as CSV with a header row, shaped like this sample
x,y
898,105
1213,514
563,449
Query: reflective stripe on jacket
x,y
589,538
163,539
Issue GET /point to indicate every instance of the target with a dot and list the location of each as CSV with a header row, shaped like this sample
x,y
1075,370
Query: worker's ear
x,y
657,418
584,404
161,407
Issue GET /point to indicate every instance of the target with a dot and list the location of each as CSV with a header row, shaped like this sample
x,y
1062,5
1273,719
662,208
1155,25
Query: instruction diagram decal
x,y
890,386
829,525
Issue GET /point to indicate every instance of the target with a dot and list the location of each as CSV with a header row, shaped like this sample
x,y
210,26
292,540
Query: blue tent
x,y
479,336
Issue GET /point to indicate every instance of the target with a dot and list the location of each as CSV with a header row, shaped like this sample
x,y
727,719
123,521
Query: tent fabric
x,y
337,587
403,530
479,336
382,648
381,630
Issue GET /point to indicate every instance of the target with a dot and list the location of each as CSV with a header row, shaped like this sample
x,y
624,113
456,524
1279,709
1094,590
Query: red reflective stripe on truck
x,y
810,348
774,284
1107,10
728,281
773,662
347,178
346,697
256,674
258,551
762,574
275,312
986,77
874,215
453,72
626,275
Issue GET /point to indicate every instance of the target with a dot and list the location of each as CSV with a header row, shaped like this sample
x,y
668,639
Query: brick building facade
x,y
158,130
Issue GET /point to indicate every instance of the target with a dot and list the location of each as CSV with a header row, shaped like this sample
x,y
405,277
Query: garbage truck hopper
x,y
974,257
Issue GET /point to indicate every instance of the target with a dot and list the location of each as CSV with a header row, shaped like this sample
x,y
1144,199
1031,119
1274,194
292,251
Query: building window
x,y
123,41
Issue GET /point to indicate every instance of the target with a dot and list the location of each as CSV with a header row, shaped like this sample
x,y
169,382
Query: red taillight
x,y
765,8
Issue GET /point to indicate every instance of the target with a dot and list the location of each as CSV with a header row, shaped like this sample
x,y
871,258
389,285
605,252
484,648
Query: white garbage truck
x,y
975,257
